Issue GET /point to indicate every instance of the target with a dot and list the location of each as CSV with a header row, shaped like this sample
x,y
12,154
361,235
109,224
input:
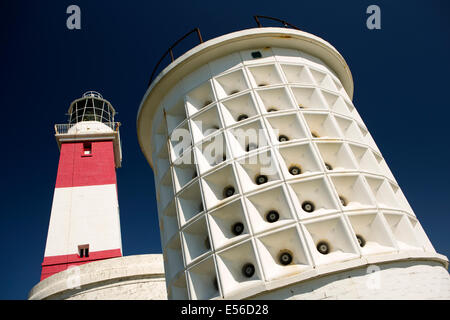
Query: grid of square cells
x,y
238,214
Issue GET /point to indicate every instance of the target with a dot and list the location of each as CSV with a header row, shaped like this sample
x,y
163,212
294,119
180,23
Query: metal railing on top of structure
x,y
285,23
65,127
91,93
197,30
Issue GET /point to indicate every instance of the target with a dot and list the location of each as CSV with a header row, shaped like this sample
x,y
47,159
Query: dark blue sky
x,y
401,75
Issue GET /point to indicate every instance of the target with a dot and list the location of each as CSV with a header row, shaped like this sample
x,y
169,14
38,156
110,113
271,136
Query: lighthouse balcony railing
x,y
65,127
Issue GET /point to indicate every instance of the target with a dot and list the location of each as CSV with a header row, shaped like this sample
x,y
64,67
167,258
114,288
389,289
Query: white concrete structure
x,y
406,280
139,277
307,204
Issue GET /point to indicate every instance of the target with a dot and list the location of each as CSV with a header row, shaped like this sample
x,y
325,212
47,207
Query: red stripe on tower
x,y
82,166
52,265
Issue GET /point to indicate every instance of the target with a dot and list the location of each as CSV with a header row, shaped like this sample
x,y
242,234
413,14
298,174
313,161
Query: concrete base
x,y
403,280
139,277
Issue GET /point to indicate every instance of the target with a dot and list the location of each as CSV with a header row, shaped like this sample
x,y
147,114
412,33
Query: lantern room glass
x,y
91,107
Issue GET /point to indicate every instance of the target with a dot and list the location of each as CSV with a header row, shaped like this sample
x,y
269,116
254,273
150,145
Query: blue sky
x,y
401,77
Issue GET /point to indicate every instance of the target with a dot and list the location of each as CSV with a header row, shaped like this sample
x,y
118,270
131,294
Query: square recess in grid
x,y
264,75
239,108
286,127
231,83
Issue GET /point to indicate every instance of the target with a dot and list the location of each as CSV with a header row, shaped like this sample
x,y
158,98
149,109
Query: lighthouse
x,y
84,223
269,183
83,257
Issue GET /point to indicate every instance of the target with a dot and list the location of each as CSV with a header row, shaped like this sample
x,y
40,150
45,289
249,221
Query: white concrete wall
x,y
84,215
131,277
141,277
398,281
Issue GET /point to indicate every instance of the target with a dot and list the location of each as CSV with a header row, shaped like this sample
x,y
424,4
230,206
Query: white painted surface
x,y
125,278
84,215
89,127
392,281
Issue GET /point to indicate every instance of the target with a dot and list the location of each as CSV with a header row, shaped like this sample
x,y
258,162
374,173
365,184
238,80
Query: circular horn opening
x,y
272,216
285,258
361,240
242,117
237,228
295,170
228,191
283,138
248,270
343,201
308,206
323,247
261,179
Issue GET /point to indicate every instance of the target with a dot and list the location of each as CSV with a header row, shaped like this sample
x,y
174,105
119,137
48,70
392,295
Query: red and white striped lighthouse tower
x,y
84,223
